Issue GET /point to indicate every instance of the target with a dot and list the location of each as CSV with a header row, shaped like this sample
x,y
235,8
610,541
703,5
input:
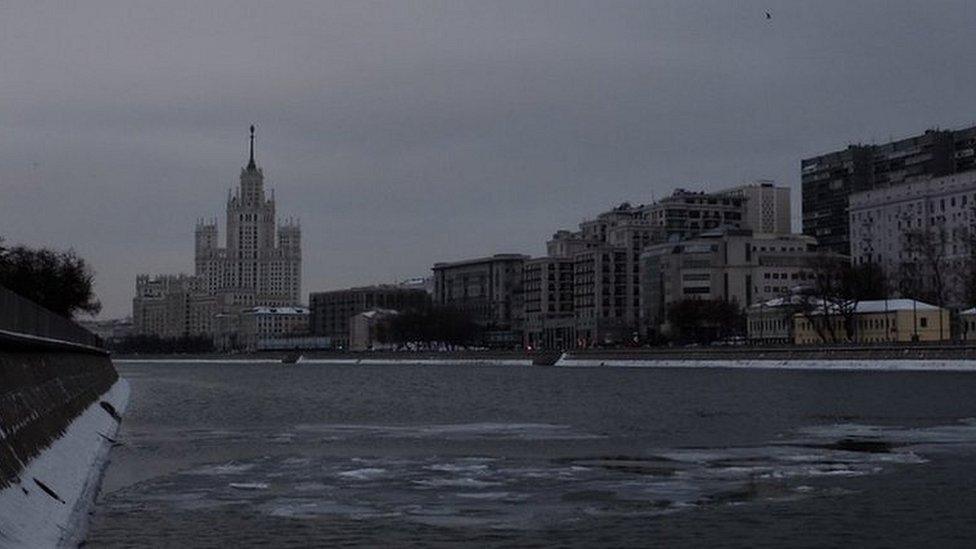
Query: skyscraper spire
x,y
250,164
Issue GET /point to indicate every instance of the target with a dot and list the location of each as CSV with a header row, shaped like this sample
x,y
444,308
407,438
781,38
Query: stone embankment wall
x,y
60,407
41,393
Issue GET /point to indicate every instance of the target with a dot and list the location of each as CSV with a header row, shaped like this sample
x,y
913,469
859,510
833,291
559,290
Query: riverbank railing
x,y
23,317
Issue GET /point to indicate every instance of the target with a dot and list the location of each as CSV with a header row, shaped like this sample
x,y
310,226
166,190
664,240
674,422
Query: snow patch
x,y
72,468
895,365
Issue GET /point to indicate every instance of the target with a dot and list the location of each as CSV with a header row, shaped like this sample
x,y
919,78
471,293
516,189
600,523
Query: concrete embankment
x,y
659,356
60,408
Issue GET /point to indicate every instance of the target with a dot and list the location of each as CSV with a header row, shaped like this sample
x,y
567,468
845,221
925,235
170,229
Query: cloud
x,y
404,133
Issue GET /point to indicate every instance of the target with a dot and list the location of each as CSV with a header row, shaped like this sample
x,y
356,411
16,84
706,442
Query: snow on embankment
x,y
960,365
59,413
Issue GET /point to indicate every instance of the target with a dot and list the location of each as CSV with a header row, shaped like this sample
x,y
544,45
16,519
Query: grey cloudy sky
x,y
403,133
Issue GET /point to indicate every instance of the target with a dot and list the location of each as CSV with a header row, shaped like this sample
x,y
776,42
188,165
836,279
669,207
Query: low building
x,y
771,322
331,311
366,329
295,343
967,324
262,323
110,330
489,291
876,321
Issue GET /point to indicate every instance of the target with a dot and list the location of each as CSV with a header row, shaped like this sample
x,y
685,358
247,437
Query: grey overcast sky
x,y
404,133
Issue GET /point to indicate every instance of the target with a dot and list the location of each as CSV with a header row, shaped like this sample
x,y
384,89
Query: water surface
x,y
401,455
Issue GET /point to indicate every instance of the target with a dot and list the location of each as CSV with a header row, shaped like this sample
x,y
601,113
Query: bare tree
x,y
927,274
967,274
830,302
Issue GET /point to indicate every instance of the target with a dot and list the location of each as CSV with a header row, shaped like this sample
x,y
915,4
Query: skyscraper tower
x,y
261,263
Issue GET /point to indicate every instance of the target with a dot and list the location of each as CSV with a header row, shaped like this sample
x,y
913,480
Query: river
x,y
261,454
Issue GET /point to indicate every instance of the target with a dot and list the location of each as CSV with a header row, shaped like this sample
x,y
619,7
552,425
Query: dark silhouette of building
x,y
331,311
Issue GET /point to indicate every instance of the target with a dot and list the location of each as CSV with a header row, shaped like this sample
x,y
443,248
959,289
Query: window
x,y
923,322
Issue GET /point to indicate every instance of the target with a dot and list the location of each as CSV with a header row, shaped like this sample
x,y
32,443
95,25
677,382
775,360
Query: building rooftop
x,y
882,305
475,261
891,306
277,311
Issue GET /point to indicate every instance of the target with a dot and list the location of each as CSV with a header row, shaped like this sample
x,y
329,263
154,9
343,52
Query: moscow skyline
x,y
407,133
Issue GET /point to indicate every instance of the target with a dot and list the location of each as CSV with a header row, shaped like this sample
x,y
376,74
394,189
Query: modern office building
x,y
829,179
735,265
489,291
331,310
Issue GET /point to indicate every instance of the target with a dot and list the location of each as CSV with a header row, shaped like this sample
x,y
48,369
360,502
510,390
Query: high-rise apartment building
x,y
259,266
940,214
828,180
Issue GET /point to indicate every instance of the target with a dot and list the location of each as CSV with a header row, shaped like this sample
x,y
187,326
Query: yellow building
x,y
892,320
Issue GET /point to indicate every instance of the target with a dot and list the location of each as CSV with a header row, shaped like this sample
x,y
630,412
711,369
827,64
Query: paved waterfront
x,y
317,455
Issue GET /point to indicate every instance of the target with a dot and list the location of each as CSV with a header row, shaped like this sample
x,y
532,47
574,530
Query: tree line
x,y
59,281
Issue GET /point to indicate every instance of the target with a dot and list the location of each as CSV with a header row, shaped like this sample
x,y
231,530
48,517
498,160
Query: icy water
x,y
234,455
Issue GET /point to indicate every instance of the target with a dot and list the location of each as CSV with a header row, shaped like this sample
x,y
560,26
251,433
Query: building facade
x,y
267,323
882,321
259,266
919,230
766,207
549,303
771,322
489,291
685,213
332,310
164,307
828,180
735,265
366,328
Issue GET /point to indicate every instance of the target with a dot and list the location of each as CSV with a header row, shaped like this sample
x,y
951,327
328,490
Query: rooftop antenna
x,y
250,164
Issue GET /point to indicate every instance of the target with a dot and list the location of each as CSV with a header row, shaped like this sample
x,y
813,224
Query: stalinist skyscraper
x,y
260,265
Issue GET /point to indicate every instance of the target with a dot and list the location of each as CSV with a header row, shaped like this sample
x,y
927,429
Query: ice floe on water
x,y
249,485
459,431
510,492
366,473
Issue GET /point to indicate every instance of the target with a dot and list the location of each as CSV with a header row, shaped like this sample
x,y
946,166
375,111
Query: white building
x,y
263,323
766,208
365,328
945,207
